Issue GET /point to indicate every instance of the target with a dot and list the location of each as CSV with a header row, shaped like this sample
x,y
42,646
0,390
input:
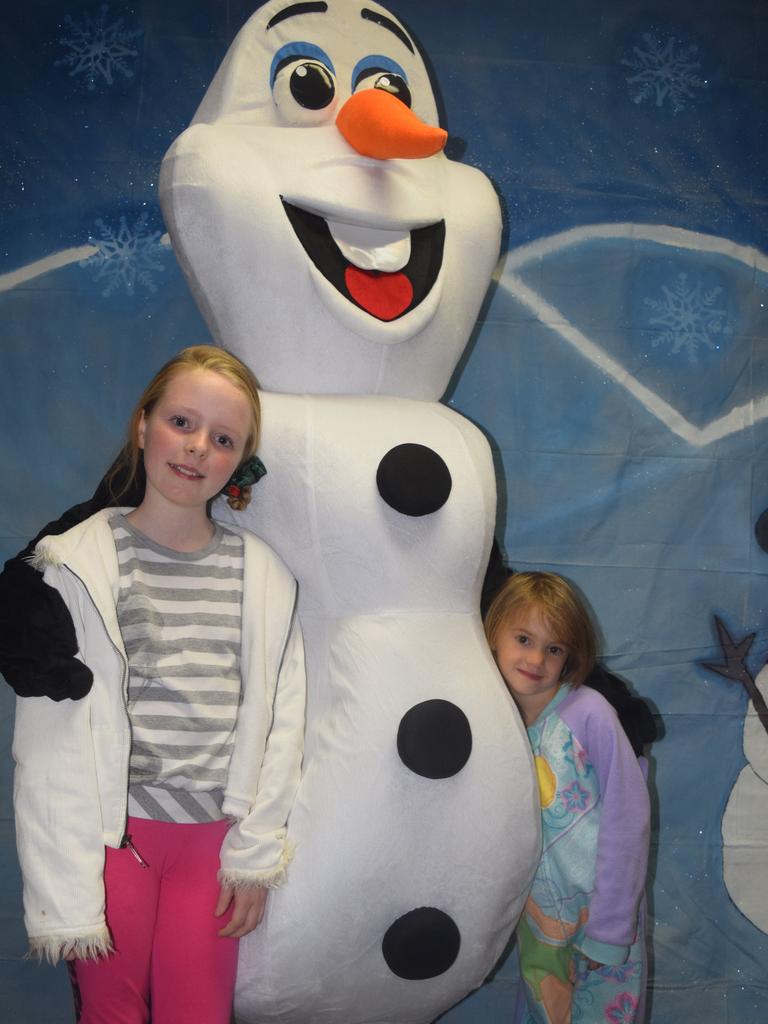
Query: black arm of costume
x,y
37,636
495,576
635,715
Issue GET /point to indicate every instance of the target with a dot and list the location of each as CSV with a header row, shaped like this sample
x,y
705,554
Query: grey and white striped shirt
x,y
180,619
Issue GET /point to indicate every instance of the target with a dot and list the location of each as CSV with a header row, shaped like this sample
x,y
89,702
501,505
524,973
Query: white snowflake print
x,y
96,49
665,71
689,317
126,257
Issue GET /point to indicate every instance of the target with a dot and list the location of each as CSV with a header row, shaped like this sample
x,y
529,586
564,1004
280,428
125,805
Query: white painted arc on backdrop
x,y
661,234
43,266
55,261
739,418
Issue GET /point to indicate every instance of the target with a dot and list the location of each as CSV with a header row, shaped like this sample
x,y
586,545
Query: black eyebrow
x,y
319,7
379,19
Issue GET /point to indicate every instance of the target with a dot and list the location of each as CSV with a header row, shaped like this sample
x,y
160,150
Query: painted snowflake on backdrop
x,y
126,257
664,71
97,49
689,317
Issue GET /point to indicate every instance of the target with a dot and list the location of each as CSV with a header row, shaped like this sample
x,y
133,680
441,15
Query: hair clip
x,y
246,474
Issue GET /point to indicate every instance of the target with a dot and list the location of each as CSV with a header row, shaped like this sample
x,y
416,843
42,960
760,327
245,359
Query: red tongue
x,y
384,296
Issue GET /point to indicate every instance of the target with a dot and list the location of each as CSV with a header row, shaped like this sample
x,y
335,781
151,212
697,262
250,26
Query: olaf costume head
x,y
332,245
325,234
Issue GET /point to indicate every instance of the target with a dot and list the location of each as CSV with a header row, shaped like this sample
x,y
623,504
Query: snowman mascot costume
x,y
331,244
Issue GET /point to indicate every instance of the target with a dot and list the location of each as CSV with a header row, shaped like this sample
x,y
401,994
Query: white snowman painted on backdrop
x,y
331,244
745,822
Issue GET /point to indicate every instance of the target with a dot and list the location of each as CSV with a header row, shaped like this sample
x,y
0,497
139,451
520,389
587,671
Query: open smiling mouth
x,y
386,295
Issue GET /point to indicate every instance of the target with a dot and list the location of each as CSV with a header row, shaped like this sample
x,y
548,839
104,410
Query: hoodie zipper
x,y
125,842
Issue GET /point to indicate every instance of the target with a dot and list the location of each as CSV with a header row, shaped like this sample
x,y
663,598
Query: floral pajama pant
x,y
557,988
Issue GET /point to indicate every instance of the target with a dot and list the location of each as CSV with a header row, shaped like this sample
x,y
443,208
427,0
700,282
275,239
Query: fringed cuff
x,y
271,878
83,947
39,560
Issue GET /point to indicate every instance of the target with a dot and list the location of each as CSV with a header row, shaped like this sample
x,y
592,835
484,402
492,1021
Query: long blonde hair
x,y
560,606
196,357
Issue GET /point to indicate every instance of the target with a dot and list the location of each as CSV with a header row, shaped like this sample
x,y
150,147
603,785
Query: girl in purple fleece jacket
x,y
580,939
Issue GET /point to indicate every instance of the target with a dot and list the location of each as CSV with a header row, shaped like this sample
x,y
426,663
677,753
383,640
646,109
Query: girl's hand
x,y
248,911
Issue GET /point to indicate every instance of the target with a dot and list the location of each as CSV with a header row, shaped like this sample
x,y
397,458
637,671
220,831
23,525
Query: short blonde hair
x,y
560,605
196,357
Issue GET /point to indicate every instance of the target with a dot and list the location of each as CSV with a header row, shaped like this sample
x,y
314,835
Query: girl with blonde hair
x,y
151,814
580,939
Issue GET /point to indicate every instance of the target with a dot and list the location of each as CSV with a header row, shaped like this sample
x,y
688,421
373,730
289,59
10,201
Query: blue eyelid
x,y
298,50
378,61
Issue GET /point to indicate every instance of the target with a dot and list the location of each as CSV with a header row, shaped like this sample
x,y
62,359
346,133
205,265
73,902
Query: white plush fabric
x,y
388,602
221,184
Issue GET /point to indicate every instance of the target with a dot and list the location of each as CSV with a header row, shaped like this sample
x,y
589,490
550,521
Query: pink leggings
x,y
167,956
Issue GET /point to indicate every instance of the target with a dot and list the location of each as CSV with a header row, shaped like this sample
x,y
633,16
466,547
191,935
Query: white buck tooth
x,y
372,248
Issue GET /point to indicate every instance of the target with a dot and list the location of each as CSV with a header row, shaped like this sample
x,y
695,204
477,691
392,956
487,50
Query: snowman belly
x,y
415,828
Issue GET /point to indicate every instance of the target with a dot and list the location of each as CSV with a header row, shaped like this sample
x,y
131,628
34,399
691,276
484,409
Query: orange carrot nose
x,y
377,124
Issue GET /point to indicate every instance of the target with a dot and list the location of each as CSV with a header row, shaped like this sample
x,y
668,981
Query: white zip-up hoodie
x,y
71,780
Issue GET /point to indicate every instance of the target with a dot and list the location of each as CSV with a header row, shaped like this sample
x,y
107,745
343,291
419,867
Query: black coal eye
x,y
395,85
312,86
